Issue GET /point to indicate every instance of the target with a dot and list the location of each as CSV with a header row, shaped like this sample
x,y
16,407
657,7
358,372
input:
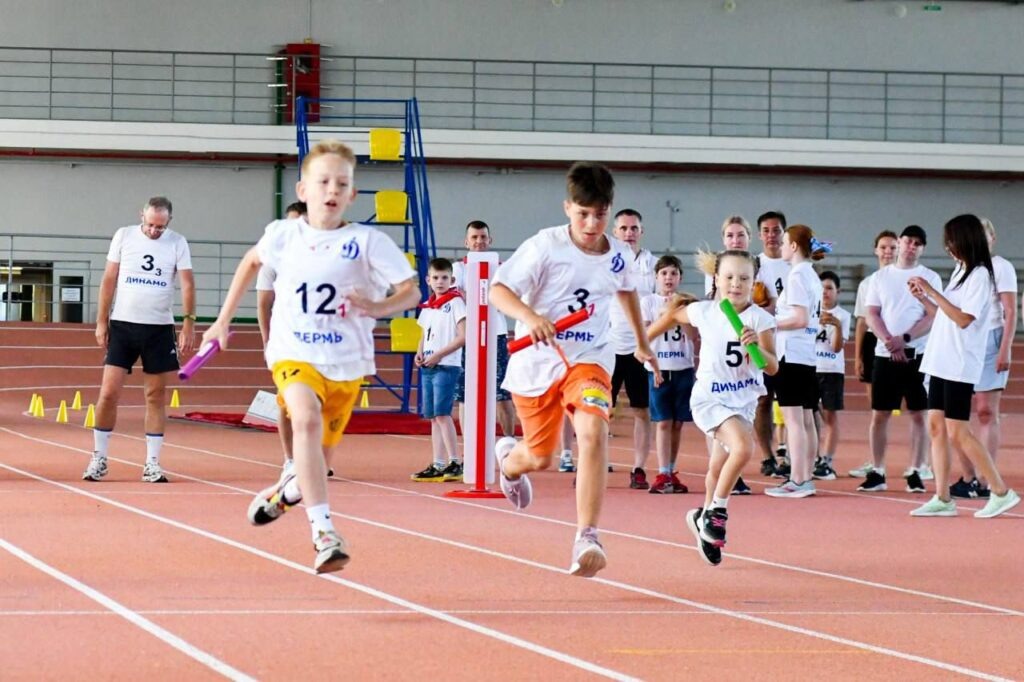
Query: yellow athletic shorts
x,y
777,414
337,398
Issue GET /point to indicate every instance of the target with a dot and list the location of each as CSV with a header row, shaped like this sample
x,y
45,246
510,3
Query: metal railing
x,y
477,94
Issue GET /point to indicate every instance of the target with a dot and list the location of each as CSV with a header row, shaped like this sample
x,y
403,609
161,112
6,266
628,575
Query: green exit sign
x,y
932,8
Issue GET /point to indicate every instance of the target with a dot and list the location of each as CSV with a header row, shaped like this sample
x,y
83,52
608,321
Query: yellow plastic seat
x,y
385,144
411,257
391,205
405,335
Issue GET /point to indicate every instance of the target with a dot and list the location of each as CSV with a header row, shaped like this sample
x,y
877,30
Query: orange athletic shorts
x,y
584,387
337,398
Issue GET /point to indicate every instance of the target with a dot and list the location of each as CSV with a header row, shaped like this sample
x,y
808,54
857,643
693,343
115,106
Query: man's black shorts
x,y
892,382
154,343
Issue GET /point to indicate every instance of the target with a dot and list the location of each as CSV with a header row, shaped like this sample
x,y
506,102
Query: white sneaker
x,y
97,468
588,555
331,552
862,470
925,472
997,505
152,473
519,492
935,507
794,490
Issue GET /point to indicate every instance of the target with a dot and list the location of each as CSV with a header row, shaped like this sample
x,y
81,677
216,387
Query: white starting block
x,y
262,410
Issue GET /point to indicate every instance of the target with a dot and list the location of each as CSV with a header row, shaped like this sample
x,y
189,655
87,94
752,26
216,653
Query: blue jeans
x,y
439,389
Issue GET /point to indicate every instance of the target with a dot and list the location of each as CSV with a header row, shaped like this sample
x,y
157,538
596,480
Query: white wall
x,y
972,37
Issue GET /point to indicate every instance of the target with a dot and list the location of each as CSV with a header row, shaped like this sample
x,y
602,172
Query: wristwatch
x,y
193,318
906,338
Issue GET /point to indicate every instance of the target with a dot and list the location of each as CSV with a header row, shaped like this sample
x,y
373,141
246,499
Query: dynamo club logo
x,y
618,263
350,249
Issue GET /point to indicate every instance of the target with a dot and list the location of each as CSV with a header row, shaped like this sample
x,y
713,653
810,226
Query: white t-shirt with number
x,y
440,327
674,349
641,267
830,361
1006,283
316,270
725,373
772,272
145,278
953,353
265,278
803,288
555,278
459,282
899,309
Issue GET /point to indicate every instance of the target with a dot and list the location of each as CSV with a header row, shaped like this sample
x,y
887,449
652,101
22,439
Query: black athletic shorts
x,y
867,356
796,386
952,397
830,389
632,373
894,382
154,343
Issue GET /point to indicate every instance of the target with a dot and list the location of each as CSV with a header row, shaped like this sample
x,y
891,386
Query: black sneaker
x,y
782,470
823,471
452,472
712,526
768,466
432,474
741,488
963,489
708,552
638,479
979,490
914,482
873,483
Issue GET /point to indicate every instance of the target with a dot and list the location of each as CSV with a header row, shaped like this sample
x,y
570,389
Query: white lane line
x,y
393,490
398,601
132,617
370,591
569,613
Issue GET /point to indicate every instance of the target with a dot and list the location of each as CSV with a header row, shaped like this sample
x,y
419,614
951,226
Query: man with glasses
x,y
141,266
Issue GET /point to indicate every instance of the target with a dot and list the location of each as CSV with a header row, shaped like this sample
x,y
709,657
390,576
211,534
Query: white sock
x,y
566,454
101,441
879,470
154,441
719,502
319,519
439,465
292,493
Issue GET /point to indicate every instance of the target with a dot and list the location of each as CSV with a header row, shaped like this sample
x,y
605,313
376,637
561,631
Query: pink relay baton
x,y
561,325
202,356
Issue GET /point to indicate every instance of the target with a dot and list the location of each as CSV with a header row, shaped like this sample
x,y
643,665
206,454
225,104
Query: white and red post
x,y
481,374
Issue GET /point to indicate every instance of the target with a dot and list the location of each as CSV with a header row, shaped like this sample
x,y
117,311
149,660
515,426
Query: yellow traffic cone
x,y
76,404
40,411
365,400
62,412
32,404
90,417
175,399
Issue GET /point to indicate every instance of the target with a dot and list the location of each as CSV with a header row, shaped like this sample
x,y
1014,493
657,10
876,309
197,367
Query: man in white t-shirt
x,y
628,371
478,238
142,263
901,324
771,274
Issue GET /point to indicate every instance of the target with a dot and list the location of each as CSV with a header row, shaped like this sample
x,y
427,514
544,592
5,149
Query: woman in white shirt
x,y
799,308
959,331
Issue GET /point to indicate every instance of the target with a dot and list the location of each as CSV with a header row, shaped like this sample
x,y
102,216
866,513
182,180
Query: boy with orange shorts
x,y
559,271
330,285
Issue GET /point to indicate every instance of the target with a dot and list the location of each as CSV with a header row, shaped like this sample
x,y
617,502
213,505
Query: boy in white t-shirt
x,y
670,401
833,332
559,271
443,321
332,281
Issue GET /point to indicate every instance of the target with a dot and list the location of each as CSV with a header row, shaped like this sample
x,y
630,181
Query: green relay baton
x,y
737,324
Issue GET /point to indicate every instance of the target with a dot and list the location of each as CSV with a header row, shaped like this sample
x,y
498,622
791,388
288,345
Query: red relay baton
x,y
561,325
202,356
